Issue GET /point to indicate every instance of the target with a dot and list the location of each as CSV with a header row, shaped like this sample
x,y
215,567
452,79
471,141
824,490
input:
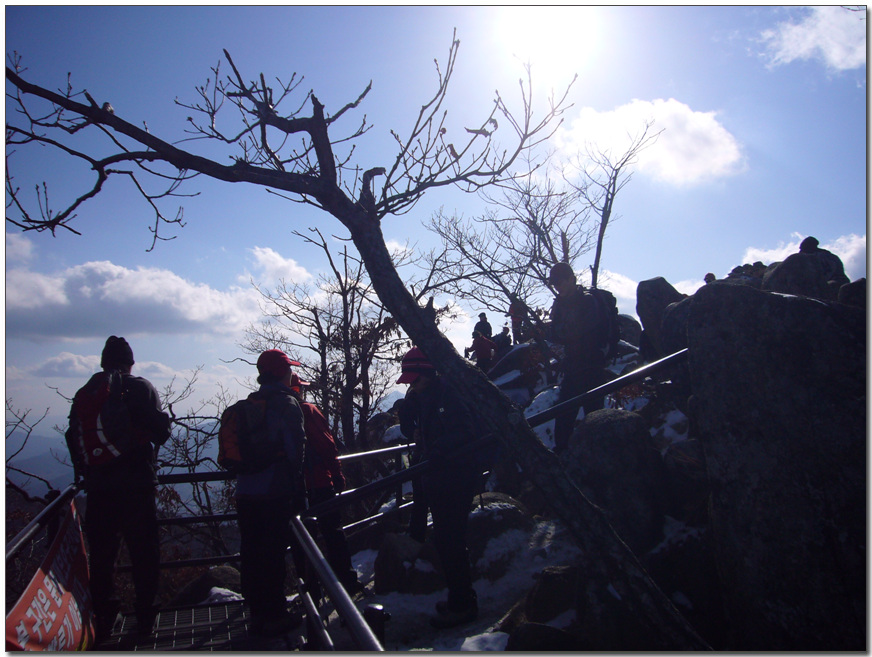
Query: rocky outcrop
x,y
748,274
652,298
854,293
799,274
610,457
779,399
631,330
407,566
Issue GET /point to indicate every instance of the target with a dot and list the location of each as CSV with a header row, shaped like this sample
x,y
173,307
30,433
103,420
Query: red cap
x,y
414,364
275,362
297,382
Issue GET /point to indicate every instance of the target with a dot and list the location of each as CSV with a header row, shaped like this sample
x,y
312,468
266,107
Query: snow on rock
x,y
393,435
217,595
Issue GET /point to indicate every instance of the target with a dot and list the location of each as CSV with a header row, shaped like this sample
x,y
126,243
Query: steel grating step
x,y
220,626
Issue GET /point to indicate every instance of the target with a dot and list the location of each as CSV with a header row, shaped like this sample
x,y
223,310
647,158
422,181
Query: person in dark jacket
x,y
121,495
266,501
483,326
444,424
324,479
503,343
573,325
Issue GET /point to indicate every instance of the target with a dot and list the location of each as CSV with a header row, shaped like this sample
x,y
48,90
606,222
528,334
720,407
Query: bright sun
x,y
558,41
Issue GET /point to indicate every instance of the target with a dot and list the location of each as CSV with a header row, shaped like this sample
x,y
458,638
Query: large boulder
x,y
631,330
407,566
652,298
799,274
779,402
493,516
673,326
612,459
854,293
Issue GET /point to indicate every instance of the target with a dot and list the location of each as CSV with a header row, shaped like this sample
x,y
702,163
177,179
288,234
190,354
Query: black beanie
x,y
116,353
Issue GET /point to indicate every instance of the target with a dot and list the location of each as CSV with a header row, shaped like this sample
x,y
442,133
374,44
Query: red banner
x,y
55,611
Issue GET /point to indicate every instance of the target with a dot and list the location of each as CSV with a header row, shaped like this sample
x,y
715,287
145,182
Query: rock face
x,y
779,399
631,330
610,457
854,293
799,274
652,298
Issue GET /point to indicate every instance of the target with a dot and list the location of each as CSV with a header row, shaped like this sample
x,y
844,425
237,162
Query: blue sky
x,y
763,112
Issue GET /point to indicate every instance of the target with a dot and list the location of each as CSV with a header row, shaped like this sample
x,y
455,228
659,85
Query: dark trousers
x,y
420,510
335,547
576,382
265,534
450,496
109,517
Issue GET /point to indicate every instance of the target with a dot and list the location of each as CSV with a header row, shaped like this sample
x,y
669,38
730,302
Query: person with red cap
x,y
266,501
324,479
441,423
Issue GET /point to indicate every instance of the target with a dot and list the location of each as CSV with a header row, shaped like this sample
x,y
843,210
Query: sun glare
x,y
557,41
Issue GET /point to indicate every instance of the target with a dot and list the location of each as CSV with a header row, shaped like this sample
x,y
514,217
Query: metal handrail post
x,y
317,636
360,631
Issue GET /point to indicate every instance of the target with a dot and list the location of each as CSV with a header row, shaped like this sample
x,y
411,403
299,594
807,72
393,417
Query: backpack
x,y
608,329
246,444
105,428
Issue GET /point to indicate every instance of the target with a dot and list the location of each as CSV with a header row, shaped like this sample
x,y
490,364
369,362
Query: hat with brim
x,y
275,362
415,363
297,383
408,377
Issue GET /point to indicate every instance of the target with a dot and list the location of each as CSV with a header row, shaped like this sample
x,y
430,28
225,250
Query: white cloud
x,y
693,148
98,298
850,248
272,267
831,34
66,364
689,287
18,248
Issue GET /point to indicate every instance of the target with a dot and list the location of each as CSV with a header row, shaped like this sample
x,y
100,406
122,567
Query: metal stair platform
x,y
219,626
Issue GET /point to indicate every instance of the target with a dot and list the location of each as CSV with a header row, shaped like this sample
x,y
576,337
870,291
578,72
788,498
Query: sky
x,y
762,112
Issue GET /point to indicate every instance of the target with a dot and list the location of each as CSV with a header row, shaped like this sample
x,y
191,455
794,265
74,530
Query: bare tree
x,y
603,176
346,331
20,428
507,252
313,171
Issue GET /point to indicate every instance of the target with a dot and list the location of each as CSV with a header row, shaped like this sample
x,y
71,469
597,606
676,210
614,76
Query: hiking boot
x,y
446,617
